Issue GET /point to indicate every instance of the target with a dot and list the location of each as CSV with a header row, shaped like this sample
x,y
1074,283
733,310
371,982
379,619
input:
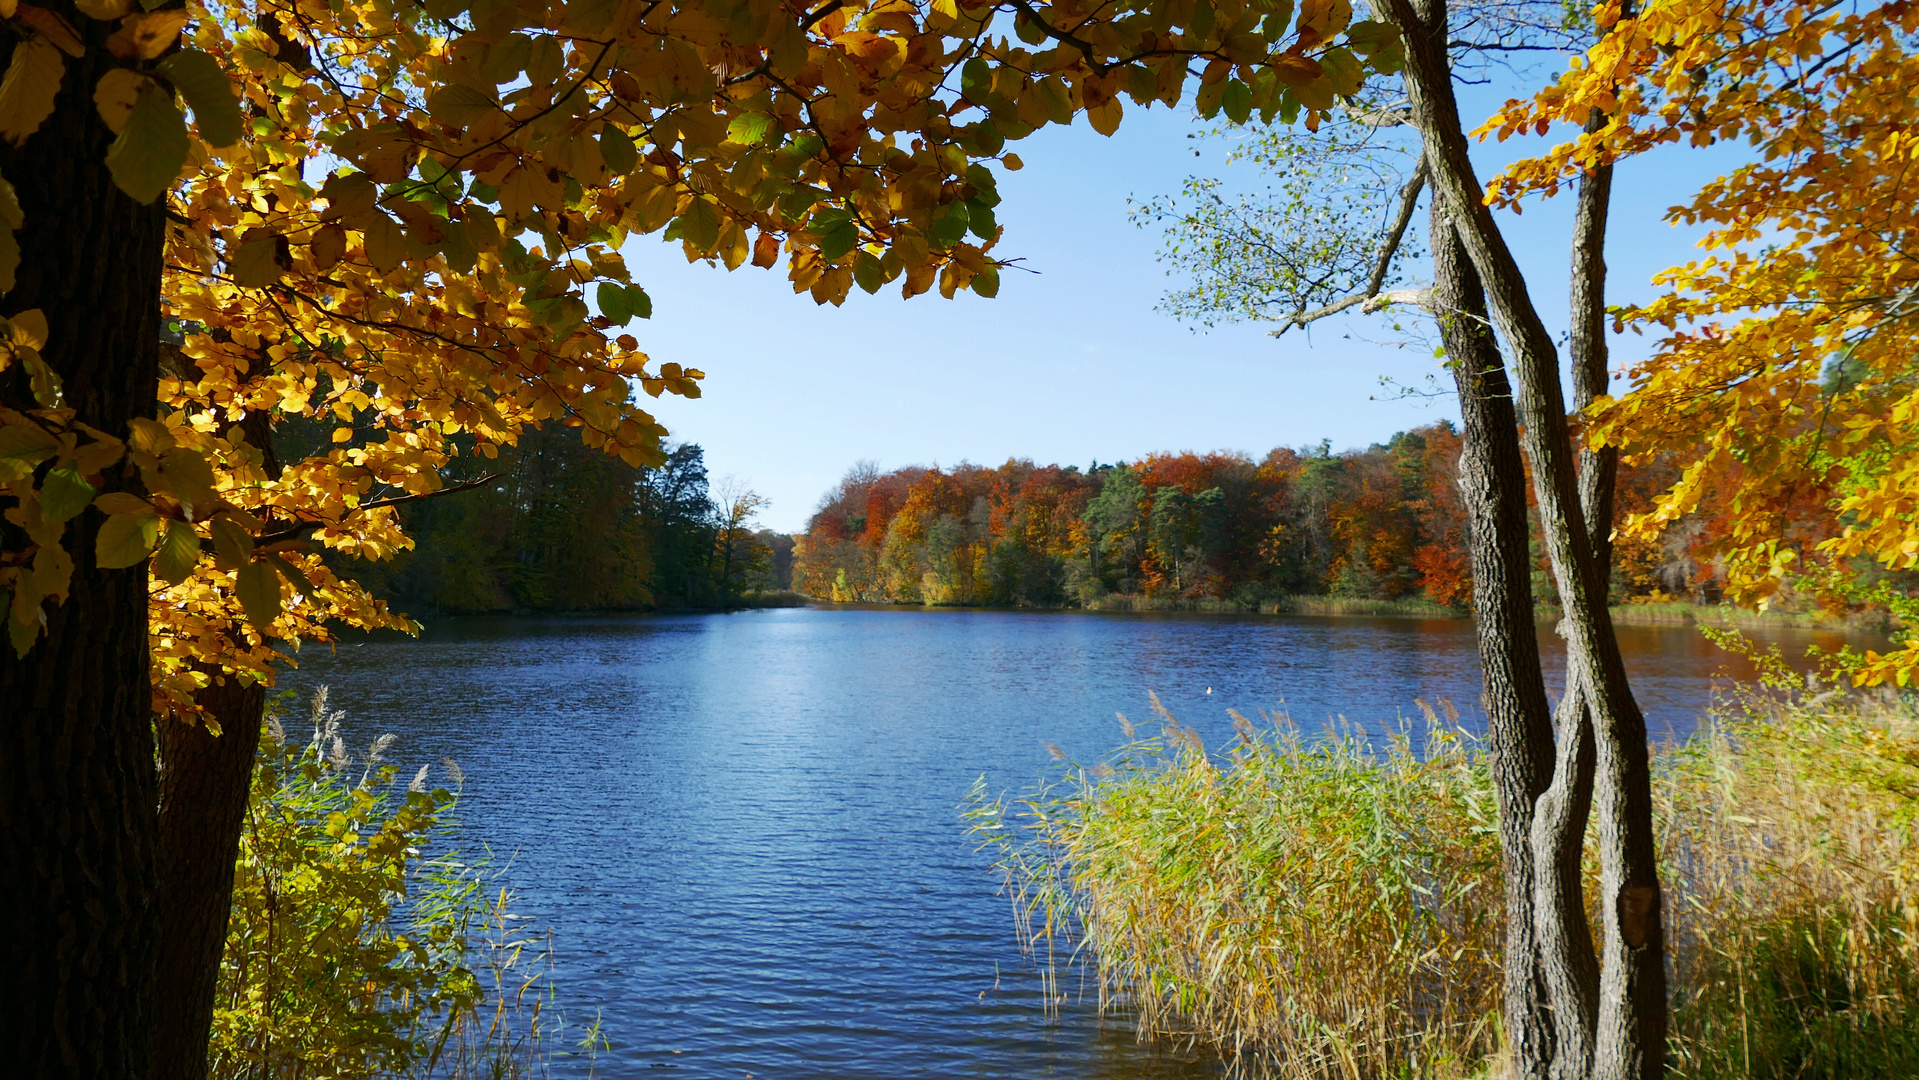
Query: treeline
x,y
1383,523
564,527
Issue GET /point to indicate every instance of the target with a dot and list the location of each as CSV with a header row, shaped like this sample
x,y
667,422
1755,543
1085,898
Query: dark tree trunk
x,y
204,783
77,785
1492,484
1629,1043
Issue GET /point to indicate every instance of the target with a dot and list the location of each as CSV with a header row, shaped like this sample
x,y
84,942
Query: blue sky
x,y
1073,363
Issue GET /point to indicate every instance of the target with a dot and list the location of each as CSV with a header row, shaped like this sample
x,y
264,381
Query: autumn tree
x,y
1783,383
405,217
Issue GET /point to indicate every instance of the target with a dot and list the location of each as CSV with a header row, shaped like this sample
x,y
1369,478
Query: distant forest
x,y
1382,523
565,527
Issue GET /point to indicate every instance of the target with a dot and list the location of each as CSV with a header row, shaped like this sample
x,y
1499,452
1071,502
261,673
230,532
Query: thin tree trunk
x,y
1630,1041
1492,483
204,783
1570,966
77,783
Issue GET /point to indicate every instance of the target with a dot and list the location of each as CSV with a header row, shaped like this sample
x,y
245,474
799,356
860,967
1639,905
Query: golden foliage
x,y
393,214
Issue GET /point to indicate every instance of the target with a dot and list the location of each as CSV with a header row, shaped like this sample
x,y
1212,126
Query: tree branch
x,y
1372,298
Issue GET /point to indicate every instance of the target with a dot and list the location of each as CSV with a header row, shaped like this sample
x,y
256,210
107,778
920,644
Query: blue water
x,y
743,828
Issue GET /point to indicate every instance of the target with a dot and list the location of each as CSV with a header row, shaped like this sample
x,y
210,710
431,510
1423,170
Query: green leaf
x,y
867,272
699,226
986,282
642,303
1209,99
63,494
1367,38
951,228
1237,101
179,553
232,544
614,303
617,150
209,90
979,219
258,586
749,128
151,148
838,240
125,539
976,81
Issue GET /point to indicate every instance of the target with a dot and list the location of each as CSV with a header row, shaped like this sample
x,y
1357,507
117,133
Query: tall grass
x,y
1331,907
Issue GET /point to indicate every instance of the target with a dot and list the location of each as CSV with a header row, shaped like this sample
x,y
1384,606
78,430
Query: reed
x,y
1331,907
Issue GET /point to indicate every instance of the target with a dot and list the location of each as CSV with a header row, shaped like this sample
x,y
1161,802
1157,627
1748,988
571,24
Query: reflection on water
x,y
743,827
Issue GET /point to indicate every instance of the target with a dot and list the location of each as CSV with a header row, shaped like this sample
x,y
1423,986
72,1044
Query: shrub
x,y
360,944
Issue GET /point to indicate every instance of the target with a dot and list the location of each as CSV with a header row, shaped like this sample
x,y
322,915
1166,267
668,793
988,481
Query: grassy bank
x,y
1330,907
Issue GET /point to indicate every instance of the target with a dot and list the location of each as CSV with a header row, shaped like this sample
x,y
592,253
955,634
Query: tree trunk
x,y
1492,484
1570,967
77,784
204,783
1630,1040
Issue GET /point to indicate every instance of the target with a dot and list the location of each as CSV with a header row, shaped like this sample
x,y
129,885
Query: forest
x,y
551,525
1381,523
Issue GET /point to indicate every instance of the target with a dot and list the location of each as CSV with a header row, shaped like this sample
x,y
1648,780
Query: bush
x,y
1334,908
360,945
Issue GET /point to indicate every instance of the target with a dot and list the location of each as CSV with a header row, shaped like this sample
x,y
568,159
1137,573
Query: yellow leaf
x,y
29,329
328,246
125,539
385,243
104,10
115,94
123,502
1105,116
147,34
28,90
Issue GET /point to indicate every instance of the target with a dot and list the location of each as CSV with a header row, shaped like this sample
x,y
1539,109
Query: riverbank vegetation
x,y
1379,529
1330,906
363,941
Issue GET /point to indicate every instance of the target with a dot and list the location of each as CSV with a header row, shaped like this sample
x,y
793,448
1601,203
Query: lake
x,y
743,828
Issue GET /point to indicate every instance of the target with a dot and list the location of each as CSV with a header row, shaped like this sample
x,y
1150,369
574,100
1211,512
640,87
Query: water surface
x,y
742,827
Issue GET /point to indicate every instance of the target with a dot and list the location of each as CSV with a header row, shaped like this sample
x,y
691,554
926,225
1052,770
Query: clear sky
x,y
1073,363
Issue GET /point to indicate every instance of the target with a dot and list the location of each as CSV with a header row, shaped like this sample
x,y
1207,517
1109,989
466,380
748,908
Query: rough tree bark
x,y
1629,1041
204,783
77,785
1492,484
1570,967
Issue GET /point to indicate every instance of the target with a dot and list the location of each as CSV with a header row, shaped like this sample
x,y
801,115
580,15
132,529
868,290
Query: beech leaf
x,y
258,586
29,87
209,90
63,494
152,147
125,539
179,553
115,95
